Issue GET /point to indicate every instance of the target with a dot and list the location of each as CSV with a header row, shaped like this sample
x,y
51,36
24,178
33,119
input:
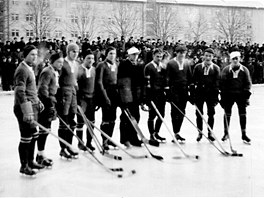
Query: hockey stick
x,y
229,139
138,130
114,142
171,133
93,135
211,130
223,153
109,170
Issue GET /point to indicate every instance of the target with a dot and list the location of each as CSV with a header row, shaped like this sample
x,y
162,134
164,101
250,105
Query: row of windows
x,y
30,33
29,17
57,3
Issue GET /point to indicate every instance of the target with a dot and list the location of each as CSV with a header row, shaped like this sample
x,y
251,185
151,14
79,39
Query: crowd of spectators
x,y
11,52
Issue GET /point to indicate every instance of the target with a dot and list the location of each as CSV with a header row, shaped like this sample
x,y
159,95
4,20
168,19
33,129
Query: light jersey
x,y
87,71
74,68
112,66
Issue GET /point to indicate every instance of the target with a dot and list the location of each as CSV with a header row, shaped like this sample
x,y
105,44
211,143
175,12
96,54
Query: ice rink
x,y
212,175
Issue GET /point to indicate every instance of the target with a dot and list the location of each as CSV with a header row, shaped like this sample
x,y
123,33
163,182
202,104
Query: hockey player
x,y
67,100
27,106
155,75
178,79
107,93
206,78
85,97
47,89
130,78
235,87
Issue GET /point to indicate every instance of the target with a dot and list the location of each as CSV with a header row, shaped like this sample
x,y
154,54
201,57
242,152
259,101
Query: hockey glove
x,y
27,110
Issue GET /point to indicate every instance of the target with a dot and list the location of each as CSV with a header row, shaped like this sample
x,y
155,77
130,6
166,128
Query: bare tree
x,y
198,26
124,21
233,24
165,22
42,17
82,20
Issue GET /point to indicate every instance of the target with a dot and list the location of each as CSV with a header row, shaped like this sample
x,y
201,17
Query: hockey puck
x,y
119,176
146,156
133,171
197,157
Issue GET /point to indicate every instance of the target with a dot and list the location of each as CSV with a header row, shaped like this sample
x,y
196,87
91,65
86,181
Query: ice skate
x,y
44,161
64,153
159,138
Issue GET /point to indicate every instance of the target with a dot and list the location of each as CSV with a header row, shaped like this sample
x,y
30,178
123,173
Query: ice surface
x,y
213,175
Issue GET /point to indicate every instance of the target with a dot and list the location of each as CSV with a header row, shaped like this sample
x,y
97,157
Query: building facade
x,y
160,19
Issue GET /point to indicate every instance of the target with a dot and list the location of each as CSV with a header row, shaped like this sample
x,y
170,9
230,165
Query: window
x,y
29,17
74,19
14,2
47,34
29,33
58,19
74,34
58,33
28,2
14,17
58,3
45,17
15,32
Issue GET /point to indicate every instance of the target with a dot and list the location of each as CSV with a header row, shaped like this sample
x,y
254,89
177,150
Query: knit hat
x,y
28,49
72,47
55,57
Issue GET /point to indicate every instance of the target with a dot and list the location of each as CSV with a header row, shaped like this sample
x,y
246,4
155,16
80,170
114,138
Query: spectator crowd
x,y
11,53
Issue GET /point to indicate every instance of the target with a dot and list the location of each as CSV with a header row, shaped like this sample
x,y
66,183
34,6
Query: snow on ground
x,y
212,175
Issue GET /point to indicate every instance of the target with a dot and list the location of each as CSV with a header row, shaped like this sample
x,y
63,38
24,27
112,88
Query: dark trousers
x,y
127,131
87,105
28,136
241,105
159,100
210,112
176,117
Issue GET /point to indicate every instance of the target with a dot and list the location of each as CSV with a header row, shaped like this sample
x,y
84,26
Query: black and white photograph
x,y
131,98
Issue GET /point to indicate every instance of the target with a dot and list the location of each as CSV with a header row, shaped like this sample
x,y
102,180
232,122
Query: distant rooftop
x,y
255,4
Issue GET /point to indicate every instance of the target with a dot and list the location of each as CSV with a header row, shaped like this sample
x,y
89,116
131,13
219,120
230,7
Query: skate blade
x,y
28,176
247,143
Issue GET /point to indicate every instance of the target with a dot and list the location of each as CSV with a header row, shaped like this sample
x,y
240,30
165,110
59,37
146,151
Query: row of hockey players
x,y
65,83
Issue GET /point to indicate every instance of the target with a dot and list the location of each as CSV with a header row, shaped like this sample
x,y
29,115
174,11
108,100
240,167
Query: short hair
x,y
55,57
109,49
157,50
209,50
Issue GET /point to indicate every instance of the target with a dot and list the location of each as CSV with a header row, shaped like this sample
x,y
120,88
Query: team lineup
x,y
72,91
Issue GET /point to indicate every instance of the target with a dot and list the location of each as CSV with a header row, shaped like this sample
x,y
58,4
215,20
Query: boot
x,y
31,163
44,161
65,153
245,138
210,137
79,133
179,138
153,140
200,136
34,165
90,146
25,169
74,154
162,139
225,137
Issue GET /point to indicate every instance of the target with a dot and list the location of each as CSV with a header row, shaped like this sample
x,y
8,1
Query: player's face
x,y
157,57
111,55
133,57
208,57
235,60
89,60
73,54
58,64
32,57
181,55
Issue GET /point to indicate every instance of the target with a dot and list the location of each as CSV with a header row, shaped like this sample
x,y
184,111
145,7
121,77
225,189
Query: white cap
x,y
235,54
133,50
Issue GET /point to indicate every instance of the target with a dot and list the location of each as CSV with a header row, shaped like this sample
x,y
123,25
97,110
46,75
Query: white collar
x,y
240,68
155,64
210,66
